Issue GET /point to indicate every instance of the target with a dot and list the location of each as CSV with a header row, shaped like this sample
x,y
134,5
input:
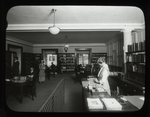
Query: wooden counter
x,y
127,106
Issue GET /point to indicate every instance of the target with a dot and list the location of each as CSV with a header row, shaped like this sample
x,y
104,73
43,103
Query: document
x,y
94,103
112,104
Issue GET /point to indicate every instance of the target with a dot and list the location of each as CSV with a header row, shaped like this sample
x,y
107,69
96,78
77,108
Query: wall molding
x,y
114,39
15,40
71,45
74,27
18,41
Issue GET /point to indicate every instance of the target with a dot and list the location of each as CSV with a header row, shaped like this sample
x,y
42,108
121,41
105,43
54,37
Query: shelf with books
x,y
140,46
67,62
38,56
28,59
95,57
135,65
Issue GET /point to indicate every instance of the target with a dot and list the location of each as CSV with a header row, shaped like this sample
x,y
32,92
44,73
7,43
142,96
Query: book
x,y
94,103
112,104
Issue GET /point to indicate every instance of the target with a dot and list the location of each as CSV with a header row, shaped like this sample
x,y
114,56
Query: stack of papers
x,y
94,103
112,104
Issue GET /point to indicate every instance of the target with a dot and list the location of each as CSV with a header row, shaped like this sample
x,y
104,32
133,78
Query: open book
x,y
112,104
94,103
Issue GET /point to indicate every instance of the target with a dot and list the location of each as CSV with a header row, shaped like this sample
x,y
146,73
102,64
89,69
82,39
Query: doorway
x,y
83,56
16,51
49,56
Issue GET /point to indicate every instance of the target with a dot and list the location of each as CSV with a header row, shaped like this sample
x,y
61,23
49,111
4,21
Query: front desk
x,y
127,104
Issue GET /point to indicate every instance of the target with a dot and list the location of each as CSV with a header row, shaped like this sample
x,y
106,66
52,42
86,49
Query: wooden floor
x,y
73,95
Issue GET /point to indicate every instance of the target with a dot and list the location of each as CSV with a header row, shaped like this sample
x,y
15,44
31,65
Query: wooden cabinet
x,y
129,88
8,64
126,87
115,51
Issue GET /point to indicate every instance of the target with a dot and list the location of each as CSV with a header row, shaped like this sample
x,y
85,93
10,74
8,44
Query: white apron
x,y
103,78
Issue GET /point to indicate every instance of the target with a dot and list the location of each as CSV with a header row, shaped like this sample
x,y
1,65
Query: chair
x,y
31,88
88,70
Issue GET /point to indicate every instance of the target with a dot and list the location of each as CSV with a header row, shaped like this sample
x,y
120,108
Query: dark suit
x,y
15,68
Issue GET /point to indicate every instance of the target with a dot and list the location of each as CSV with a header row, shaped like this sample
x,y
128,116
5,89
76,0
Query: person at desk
x,y
102,77
31,73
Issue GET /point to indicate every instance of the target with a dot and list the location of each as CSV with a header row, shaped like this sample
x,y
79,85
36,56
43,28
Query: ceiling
x,y
82,24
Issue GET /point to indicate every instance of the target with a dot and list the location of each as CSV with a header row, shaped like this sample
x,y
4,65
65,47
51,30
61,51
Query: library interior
x,y
74,59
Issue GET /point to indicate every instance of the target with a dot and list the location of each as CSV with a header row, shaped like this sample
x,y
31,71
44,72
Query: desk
x,y
86,94
11,84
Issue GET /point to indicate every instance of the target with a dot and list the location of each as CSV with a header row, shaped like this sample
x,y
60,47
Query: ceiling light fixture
x,y
66,45
53,29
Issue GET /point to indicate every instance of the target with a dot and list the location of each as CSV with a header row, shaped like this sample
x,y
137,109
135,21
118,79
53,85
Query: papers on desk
x,y
112,104
94,103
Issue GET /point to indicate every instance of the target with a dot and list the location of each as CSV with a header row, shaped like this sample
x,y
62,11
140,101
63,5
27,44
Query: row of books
x,y
136,68
67,63
68,55
136,47
135,57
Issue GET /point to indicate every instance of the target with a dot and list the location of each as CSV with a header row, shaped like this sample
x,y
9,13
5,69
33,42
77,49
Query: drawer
x,y
136,91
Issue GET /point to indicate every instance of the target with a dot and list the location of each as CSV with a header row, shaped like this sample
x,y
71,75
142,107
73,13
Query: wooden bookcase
x,y
38,56
67,62
95,57
136,67
28,59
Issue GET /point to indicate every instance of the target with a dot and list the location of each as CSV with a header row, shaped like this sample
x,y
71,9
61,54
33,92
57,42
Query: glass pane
x,y
85,59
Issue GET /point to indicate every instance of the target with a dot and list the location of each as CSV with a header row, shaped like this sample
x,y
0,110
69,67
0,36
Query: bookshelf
x,y
95,57
28,59
67,62
136,67
38,56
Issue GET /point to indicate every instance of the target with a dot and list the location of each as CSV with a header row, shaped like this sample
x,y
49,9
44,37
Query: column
x,y
127,40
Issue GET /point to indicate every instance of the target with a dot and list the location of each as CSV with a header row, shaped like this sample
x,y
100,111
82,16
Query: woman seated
x,y
31,73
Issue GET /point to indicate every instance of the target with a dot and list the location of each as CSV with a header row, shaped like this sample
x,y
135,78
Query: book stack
x,y
136,46
94,103
112,104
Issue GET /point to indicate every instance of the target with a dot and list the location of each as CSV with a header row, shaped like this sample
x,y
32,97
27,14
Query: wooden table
x,y
11,84
127,106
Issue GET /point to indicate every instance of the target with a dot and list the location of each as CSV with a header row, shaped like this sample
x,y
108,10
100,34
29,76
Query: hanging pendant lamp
x,y
66,45
53,29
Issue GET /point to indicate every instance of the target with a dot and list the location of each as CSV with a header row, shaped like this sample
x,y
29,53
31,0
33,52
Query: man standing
x,y
15,67
53,69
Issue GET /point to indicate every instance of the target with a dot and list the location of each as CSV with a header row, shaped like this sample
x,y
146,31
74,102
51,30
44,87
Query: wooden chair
x,y
31,88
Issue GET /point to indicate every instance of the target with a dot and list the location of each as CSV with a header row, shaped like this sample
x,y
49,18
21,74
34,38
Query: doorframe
x,y
21,50
83,49
56,50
